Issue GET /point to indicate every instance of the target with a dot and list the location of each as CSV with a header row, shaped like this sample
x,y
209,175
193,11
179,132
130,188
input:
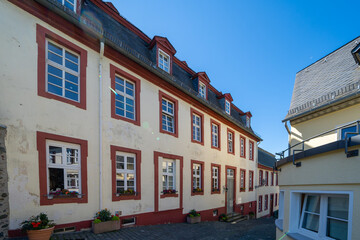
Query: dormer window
x,y
202,90
356,54
70,4
164,61
247,121
227,107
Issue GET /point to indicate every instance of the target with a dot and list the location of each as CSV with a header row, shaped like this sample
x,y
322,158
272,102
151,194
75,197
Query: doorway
x,y
229,191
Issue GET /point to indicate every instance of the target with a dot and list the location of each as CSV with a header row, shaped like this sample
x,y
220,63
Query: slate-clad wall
x,y
4,194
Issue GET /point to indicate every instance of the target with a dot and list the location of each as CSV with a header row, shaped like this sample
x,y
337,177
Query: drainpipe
x,y
100,122
289,133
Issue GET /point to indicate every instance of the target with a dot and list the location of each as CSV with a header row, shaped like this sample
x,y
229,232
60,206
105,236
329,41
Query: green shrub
x,y
97,221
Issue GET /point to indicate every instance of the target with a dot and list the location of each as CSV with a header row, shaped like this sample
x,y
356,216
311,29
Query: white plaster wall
x,y
24,113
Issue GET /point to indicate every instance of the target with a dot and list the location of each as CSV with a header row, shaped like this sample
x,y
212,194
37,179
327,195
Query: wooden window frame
x,y
194,112
219,178
167,97
213,122
202,164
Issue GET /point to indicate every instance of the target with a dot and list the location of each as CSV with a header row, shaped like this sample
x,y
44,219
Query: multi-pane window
x,y
164,61
266,202
266,178
202,90
251,180
71,4
272,178
196,127
167,115
125,172
276,199
277,179
227,106
62,72
215,179
242,147
196,176
251,150
125,98
215,135
64,168
169,173
242,180
230,142
325,215
260,203
247,121
260,177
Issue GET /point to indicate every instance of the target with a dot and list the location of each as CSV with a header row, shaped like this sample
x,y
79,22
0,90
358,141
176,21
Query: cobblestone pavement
x,y
259,229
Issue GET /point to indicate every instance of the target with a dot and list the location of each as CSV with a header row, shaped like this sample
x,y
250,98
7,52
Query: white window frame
x,y
167,173
63,69
215,178
126,96
230,142
295,215
227,107
196,128
162,55
260,204
251,150
202,90
63,165
168,115
125,171
214,135
197,177
242,179
63,3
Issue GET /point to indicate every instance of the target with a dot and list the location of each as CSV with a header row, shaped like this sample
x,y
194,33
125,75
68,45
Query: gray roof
x,y
265,158
333,77
119,32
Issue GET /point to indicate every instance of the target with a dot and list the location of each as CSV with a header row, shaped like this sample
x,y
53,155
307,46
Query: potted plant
x,y
193,217
38,227
105,222
251,215
197,190
222,217
128,192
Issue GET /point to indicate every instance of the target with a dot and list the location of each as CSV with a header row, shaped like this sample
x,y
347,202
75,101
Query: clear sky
x,y
251,49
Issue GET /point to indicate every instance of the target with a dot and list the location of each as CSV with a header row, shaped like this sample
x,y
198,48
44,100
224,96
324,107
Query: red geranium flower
x,y
35,224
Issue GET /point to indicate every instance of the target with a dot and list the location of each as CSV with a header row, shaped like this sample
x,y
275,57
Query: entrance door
x,y
271,204
230,191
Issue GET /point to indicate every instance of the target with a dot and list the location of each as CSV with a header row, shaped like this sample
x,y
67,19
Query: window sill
x,y
174,134
174,195
198,142
215,192
117,197
279,224
216,148
242,190
197,193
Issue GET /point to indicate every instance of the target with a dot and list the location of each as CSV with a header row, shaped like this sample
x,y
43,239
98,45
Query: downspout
x,y
100,122
289,133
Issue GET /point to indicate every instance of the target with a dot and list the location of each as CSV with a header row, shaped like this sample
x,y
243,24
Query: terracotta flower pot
x,y
42,234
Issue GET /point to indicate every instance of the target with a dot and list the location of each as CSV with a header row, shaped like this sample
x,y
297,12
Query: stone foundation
x,y
4,193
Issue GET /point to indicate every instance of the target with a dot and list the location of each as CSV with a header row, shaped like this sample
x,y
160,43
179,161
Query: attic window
x,y
70,4
227,107
164,61
247,121
356,54
202,90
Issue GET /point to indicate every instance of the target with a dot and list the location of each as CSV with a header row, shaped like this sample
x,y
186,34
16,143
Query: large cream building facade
x,y
319,181
93,106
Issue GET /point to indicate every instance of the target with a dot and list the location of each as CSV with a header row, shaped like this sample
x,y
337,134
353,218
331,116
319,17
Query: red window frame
x,y
243,186
276,197
266,202
251,180
244,148
277,179
267,178
219,176
233,141
113,150
41,35
41,138
219,134
251,154
272,178
202,177
163,95
260,203
260,177
192,112
115,71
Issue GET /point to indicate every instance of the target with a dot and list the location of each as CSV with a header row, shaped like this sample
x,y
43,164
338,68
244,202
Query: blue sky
x,y
251,49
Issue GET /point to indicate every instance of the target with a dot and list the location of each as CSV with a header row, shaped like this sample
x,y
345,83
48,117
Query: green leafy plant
x,y
103,215
115,218
251,213
197,190
97,221
38,222
193,213
222,217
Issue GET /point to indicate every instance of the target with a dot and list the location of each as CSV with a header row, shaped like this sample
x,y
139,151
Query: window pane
x,y
71,78
73,180
130,115
55,49
313,204
55,80
71,86
119,162
120,177
55,155
71,95
311,222
337,229
120,112
170,167
71,65
338,207
130,163
55,71
72,156
55,58
71,57
56,177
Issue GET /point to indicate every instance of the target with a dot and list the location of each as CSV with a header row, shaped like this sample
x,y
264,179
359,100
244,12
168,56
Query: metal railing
x,y
302,143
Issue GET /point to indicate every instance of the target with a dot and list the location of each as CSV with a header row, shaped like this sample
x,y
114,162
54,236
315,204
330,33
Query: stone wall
x,y
4,193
